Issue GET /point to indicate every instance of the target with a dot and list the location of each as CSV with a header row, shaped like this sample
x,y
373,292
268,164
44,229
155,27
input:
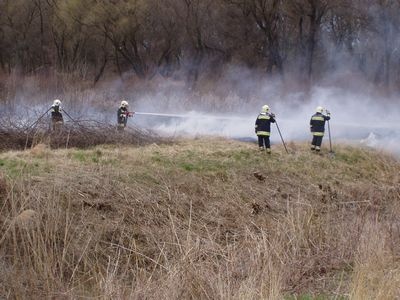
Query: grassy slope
x,y
191,220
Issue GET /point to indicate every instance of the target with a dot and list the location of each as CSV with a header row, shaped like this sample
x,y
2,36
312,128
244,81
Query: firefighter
x,y
263,128
317,127
122,115
57,120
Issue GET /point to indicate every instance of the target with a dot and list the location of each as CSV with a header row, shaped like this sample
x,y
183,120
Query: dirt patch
x,y
26,218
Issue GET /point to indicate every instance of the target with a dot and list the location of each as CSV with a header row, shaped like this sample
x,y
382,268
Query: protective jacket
x,y
317,124
56,115
122,116
263,124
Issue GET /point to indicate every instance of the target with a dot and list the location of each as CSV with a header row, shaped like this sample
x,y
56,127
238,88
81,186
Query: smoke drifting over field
x,y
356,118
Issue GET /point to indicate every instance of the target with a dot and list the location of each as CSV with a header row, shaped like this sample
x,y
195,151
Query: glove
x,y
272,115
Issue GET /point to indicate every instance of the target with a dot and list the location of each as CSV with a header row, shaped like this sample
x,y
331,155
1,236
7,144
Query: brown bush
x,y
78,134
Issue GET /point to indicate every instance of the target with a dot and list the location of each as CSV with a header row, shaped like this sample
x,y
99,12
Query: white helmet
x,y
56,102
319,109
124,103
265,109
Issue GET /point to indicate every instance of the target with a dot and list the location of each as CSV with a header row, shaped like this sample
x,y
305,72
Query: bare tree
x,y
195,39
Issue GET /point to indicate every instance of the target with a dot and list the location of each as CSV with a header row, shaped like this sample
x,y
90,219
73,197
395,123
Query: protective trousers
x,y
263,141
316,143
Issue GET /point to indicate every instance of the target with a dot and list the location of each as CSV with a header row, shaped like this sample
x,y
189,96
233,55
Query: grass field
x,y
199,219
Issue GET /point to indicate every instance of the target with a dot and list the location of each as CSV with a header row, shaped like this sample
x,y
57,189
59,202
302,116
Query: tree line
x,y
304,38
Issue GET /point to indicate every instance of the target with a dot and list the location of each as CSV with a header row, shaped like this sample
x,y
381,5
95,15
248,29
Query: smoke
x,y
359,118
226,108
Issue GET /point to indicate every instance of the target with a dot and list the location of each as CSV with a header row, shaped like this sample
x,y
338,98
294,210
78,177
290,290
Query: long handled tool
x,y
33,125
67,114
283,142
38,120
330,140
73,120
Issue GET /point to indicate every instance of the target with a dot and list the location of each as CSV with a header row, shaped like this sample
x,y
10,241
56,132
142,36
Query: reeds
x,y
190,221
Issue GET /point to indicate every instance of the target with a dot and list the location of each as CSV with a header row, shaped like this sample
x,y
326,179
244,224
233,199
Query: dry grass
x,y
192,221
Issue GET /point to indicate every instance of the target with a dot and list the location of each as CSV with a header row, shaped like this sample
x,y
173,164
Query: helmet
x,y
265,109
319,109
56,102
124,103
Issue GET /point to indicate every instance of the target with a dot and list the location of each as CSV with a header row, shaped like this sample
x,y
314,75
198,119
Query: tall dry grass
x,y
191,221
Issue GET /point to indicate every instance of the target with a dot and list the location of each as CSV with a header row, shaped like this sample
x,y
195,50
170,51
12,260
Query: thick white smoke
x,y
355,117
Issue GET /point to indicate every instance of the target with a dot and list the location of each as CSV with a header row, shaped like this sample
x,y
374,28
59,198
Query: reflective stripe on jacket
x,y
263,133
318,133
317,124
263,124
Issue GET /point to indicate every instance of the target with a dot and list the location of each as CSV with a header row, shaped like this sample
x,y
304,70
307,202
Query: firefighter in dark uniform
x,y
122,115
263,128
57,120
317,127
